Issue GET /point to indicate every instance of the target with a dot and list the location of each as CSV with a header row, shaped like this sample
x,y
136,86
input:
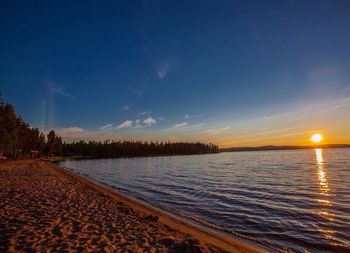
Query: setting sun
x,y
316,138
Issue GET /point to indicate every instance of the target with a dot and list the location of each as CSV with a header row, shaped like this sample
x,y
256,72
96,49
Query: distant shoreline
x,y
284,147
222,150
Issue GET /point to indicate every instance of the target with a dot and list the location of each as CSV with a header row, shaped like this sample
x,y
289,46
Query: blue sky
x,y
225,72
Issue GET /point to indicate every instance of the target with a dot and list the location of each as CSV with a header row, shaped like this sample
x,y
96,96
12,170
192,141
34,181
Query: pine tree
x,y
2,126
41,143
50,145
8,137
58,147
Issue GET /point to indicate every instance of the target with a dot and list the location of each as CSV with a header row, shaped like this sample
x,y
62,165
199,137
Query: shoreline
x,y
148,218
208,235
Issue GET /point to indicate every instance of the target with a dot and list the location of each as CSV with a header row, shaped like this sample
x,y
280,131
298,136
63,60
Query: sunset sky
x,y
242,73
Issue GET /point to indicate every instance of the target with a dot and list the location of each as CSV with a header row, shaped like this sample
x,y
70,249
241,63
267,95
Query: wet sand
x,y
46,208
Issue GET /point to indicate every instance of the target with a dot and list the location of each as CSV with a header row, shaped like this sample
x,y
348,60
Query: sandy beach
x,y
46,208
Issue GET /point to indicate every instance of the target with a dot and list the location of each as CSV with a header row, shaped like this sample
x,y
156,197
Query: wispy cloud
x,y
105,127
161,118
126,108
185,126
149,121
59,90
143,113
136,124
163,70
124,124
188,116
70,130
179,125
216,131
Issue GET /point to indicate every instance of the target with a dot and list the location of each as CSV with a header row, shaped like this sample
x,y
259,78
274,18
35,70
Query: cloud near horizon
x,y
149,121
179,125
124,124
137,124
64,131
105,127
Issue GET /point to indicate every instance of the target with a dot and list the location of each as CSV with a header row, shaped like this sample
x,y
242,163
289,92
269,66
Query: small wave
x,y
226,230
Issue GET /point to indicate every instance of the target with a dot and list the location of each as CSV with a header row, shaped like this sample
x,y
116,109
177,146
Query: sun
x,y
316,138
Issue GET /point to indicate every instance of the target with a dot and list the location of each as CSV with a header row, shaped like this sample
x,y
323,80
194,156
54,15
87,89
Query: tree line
x,y
108,149
19,140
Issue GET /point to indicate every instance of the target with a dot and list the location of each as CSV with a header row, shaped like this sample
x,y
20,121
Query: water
x,y
297,199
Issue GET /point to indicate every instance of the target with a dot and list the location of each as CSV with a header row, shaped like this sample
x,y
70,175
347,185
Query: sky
x,y
234,73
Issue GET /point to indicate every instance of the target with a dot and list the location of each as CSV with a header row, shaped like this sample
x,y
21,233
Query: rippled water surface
x,y
296,199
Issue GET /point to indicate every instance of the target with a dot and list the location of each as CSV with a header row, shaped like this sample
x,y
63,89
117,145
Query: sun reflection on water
x,y
325,195
322,176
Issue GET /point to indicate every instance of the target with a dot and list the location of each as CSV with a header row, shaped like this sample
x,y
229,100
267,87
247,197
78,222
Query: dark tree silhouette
x,y
41,143
9,130
17,138
50,145
135,148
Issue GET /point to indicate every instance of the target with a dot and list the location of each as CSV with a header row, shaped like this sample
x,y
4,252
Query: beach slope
x,y
46,208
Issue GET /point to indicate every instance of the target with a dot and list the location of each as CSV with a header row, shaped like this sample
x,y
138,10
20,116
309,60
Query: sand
x,y
44,208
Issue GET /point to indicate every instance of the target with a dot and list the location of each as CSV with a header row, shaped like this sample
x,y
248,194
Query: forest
x,y
135,148
19,140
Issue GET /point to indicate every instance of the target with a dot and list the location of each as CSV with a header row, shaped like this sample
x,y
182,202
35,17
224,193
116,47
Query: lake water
x,y
296,199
